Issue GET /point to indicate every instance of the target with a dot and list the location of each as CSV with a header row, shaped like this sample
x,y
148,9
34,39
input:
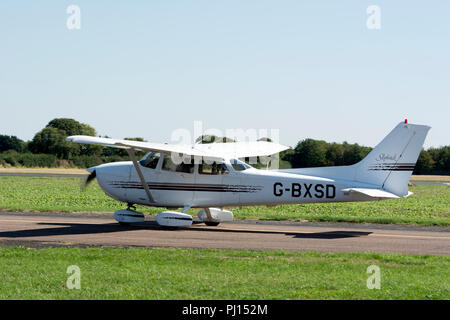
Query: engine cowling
x,y
174,219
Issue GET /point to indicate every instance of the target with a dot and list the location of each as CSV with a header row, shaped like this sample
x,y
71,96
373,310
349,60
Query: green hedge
x,y
15,159
30,160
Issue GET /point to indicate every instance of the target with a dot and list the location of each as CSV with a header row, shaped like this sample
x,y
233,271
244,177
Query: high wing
x,y
137,145
241,149
213,150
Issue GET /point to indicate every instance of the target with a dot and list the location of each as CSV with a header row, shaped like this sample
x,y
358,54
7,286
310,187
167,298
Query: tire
x,y
212,224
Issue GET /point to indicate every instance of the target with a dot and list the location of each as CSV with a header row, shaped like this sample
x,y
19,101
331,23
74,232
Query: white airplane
x,y
210,177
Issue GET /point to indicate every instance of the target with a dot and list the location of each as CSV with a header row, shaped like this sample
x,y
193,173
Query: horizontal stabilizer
x,y
371,193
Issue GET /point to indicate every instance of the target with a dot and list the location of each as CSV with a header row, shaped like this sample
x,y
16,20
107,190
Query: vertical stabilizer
x,y
391,163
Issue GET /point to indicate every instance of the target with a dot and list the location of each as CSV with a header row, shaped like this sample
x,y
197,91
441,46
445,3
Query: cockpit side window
x,y
214,168
239,165
184,167
150,160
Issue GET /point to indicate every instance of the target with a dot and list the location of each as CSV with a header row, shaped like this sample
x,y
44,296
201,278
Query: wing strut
x,y
132,155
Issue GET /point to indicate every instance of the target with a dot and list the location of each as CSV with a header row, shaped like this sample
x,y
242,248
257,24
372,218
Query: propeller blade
x,y
89,179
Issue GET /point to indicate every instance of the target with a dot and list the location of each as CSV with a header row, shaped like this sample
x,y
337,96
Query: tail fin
x,y
391,163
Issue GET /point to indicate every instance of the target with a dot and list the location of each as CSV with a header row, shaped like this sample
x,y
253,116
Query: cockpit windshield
x,y
150,160
239,165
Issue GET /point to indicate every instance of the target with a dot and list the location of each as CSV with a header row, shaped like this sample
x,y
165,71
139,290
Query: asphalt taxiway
x,y
84,230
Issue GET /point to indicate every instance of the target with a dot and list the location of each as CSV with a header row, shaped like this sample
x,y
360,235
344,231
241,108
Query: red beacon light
x,y
406,121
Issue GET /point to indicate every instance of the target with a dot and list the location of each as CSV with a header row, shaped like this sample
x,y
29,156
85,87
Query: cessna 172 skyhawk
x,y
210,177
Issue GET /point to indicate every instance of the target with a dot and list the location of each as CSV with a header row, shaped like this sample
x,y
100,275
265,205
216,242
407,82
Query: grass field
x,y
114,273
430,205
218,274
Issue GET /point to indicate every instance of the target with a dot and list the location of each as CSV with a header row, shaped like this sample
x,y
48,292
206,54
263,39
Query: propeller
x,y
88,180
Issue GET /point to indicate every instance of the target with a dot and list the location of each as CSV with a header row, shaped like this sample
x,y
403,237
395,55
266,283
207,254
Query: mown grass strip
x,y
218,274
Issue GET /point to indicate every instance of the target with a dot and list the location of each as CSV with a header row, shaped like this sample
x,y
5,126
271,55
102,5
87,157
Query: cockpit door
x,y
176,182
210,190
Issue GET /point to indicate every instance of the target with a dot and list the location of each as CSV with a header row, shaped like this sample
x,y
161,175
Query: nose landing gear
x,y
127,216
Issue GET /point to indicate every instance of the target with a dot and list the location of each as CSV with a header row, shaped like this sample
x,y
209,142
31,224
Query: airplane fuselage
x,y
235,188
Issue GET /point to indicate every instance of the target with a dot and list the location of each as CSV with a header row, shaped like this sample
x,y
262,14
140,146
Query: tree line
x,y
318,153
49,148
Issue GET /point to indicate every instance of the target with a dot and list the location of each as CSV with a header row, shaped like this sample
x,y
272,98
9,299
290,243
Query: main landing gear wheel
x,y
212,217
212,224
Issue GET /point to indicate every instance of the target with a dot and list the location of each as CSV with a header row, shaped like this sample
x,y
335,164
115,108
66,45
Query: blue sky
x,y
308,68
